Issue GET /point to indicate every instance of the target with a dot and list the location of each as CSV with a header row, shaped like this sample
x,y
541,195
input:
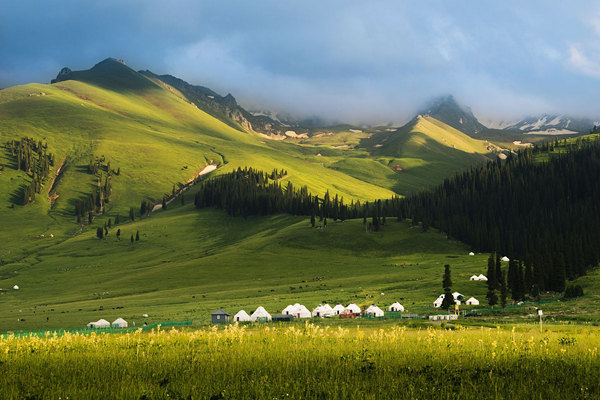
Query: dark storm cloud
x,y
348,60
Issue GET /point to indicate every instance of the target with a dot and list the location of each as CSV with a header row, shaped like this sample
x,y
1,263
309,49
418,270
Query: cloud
x,y
581,63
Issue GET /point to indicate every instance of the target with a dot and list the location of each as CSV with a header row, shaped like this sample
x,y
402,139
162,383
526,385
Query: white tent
x,y
119,323
457,296
287,310
300,311
16,287
353,308
260,313
482,277
471,254
438,302
472,302
101,323
337,310
322,311
241,316
374,310
505,258
474,278
396,307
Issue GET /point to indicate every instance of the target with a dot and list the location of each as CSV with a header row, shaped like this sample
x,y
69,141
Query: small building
x,y
119,323
338,309
482,277
471,254
348,314
328,310
353,308
241,316
16,287
374,311
396,307
322,311
220,317
438,302
505,258
474,278
472,302
260,315
282,318
100,324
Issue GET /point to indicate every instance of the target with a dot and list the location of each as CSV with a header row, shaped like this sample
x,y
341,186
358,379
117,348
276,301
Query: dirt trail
x,y
52,197
206,170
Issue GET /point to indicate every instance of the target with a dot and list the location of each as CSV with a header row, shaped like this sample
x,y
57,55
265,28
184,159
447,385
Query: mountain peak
x,y
110,73
449,111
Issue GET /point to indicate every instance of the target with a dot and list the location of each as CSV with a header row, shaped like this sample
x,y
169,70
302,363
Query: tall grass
x,y
302,362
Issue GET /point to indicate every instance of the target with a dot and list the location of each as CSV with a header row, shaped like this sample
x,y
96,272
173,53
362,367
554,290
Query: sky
x,y
343,60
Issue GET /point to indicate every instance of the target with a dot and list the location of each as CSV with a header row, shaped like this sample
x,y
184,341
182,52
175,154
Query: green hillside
x,y
155,139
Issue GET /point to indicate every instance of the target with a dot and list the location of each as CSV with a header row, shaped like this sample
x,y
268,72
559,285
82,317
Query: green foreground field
x,y
307,362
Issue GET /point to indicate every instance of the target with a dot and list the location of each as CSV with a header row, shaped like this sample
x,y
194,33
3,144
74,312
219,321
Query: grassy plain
x,y
306,362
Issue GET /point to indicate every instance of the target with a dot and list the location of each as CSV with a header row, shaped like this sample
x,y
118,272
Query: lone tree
x,y
131,238
137,236
99,233
119,234
448,300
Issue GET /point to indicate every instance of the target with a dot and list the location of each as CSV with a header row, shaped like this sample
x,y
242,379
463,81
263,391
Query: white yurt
x,y
241,316
353,308
471,254
287,310
482,277
375,311
505,258
457,296
119,323
101,323
472,302
328,309
260,313
396,307
16,287
474,278
337,310
300,311
438,302
318,311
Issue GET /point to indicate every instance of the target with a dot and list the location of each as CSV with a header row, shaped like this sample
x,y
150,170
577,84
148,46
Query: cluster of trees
x,y
546,214
97,166
32,158
95,202
252,192
102,232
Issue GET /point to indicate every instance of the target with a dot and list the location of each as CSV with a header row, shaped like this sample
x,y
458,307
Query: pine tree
x,y
131,238
312,220
491,273
137,236
117,220
491,297
119,234
503,289
110,223
164,204
447,280
99,232
131,214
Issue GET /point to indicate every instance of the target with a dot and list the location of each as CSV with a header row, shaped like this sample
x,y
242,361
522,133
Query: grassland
x,y
306,361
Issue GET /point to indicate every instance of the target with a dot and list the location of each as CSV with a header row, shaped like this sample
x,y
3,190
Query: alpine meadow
x,y
340,227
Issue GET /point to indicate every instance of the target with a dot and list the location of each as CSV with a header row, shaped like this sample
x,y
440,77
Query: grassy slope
x,y
235,263
428,151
